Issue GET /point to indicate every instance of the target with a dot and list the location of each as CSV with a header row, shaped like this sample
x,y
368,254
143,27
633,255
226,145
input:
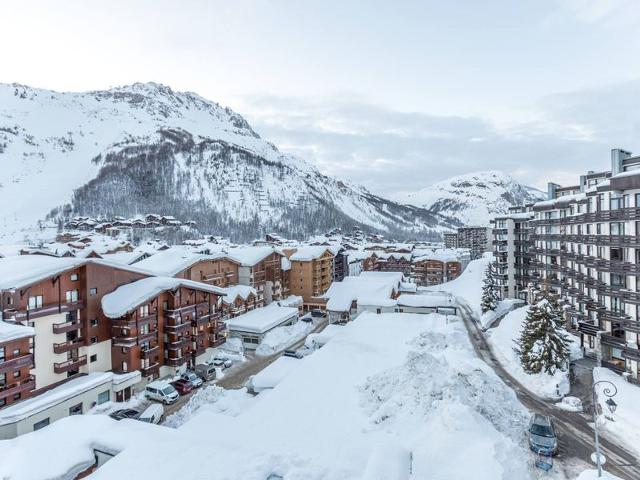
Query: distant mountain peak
x,y
474,198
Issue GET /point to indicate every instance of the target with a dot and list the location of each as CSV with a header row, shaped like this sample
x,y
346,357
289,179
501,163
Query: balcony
x,y
149,352
124,341
67,326
24,385
131,322
174,325
71,364
48,310
67,346
16,363
153,369
174,345
217,342
175,362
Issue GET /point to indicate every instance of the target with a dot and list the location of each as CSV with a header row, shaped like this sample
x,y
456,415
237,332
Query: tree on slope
x,y
489,297
543,345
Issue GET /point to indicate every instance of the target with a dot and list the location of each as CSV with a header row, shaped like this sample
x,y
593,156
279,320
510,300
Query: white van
x,y
161,391
153,414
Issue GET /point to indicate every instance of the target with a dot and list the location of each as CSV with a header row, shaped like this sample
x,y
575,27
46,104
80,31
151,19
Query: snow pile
x,y
282,337
593,475
213,399
468,286
271,376
570,404
502,340
625,422
504,306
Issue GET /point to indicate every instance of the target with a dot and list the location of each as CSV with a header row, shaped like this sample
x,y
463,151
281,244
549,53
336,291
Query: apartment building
x,y
512,251
239,299
161,325
476,239
311,274
450,239
587,249
16,361
435,269
262,268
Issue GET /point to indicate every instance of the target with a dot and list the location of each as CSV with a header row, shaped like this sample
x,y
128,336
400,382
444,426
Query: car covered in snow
x,y
222,362
542,435
192,377
153,414
307,317
124,413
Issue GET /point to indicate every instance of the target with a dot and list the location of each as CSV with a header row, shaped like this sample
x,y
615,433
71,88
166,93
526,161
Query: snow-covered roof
x,y
308,253
124,258
128,297
22,270
342,294
26,408
262,320
428,300
174,260
249,256
13,331
374,301
273,374
397,277
232,293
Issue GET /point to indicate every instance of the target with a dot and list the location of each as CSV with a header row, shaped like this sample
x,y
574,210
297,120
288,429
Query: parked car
x,y
161,391
153,414
542,435
192,377
307,317
293,353
222,362
182,386
317,313
124,413
206,371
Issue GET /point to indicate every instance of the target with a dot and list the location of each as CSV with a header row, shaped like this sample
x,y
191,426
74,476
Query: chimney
x,y
617,157
551,190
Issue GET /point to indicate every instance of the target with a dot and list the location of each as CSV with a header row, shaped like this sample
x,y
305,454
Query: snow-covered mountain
x,y
474,198
146,148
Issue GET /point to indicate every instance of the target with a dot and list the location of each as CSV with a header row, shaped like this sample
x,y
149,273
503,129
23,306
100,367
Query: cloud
x,y
393,153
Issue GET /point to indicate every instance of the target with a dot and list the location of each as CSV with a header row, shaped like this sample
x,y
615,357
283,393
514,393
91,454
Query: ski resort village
x,y
343,356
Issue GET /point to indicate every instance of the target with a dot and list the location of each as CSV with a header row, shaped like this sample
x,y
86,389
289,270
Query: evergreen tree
x,y
543,345
489,297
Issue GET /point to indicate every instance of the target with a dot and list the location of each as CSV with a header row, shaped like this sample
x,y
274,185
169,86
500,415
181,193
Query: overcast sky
x,y
391,94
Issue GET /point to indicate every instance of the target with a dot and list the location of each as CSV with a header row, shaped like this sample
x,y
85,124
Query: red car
x,y
182,386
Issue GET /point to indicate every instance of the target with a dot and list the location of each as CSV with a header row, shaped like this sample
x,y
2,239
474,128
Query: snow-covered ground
x,y
281,337
624,424
593,475
502,340
214,399
488,318
406,380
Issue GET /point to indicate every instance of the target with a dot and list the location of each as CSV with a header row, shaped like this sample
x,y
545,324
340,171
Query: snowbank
x,y
625,422
212,399
504,306
281,337
502,340
593,475
271,376
468,286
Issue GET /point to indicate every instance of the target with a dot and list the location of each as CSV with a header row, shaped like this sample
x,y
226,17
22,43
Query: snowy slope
x,y
474,198
144,148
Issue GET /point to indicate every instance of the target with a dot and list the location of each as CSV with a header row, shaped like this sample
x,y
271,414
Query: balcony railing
x,y
174,345
71,364
67,326
175,362
67,346
16,363
124,341
45,310
24,385
149,352
150,370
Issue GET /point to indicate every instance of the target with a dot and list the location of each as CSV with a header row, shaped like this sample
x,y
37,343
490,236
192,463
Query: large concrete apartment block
x,y
476,239
587,249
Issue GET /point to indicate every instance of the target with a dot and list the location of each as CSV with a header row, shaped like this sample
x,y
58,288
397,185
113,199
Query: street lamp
x,y
611,405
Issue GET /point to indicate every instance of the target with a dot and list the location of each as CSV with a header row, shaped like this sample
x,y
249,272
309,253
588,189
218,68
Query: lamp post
x,y
612,408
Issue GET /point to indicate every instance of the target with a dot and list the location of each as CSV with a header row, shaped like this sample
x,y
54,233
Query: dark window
x,y
76,409
93,358
94,340
94,322
103,397
40,424
3,402
16,396
1,354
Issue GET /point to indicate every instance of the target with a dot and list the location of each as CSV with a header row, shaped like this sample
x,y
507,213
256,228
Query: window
x,y
94,322
616,203
16,352
74,277
617,254
93,292
76,409
16,374
1,354
103,397
94,340
3,402
616,228
40,424
3,379
144,310
93,358
16,396
618,280
35,302
71,296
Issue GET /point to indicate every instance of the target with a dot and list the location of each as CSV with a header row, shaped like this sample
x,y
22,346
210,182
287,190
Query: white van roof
x,y
158,384
152,409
